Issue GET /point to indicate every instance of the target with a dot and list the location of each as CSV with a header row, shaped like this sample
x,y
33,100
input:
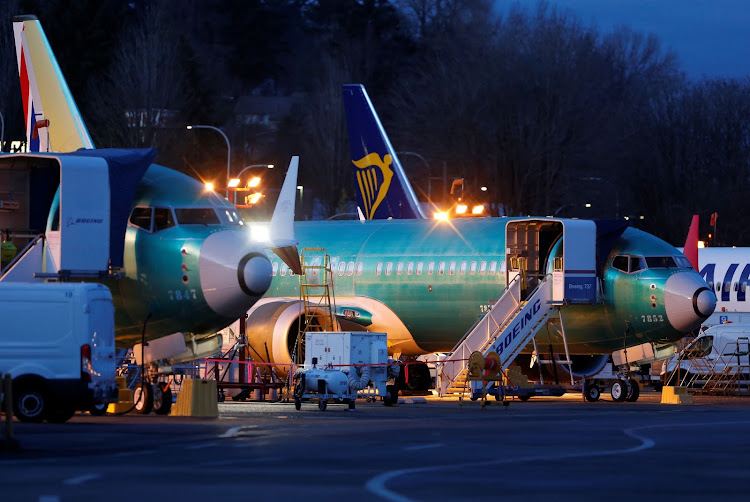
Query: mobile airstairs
x,y
550,263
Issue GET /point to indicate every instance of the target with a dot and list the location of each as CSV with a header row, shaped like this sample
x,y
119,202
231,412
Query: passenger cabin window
x,y
400,268
452,268
197,216
430,268
360,265
141,218
410,268
493,267
441,268
388,268
462,268
473,268
482,267
342,268
274,269
419,268
283,270
379,268
350,269
163,218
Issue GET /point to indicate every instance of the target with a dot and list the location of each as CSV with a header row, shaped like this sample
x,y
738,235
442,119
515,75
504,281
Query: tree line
x,y
548,113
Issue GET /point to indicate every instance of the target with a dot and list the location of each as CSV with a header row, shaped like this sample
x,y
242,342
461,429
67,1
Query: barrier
x,y
675,395
197,399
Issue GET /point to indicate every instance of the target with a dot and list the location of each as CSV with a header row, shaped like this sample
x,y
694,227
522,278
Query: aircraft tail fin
x,y
691,243
53,122
383,191
283,240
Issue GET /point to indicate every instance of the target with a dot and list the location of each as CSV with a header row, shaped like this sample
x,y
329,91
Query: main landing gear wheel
x,y
297,403
592,393
619,391
635,391
162,399
322,405
143,397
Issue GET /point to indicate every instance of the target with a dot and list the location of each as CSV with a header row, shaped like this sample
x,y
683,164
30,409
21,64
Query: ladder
x,y
507,327
316,295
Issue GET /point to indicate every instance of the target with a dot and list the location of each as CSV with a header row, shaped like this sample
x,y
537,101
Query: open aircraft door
x,y
562,248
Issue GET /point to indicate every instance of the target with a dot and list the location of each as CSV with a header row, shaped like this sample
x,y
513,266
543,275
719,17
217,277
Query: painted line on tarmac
x,y
81,479
377,484
236,431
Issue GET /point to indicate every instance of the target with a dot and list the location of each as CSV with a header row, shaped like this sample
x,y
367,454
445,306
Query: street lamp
x,y
229,148
234,182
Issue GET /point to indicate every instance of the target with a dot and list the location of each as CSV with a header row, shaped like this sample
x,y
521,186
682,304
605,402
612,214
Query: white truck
x,y
721,351
57,342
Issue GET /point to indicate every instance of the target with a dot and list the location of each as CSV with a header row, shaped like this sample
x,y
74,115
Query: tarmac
x,y
426,448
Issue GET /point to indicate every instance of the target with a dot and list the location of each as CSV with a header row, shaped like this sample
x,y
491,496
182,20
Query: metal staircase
x,y
507,327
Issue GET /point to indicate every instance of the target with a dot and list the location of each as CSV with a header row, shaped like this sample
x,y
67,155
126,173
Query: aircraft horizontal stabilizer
x,y
283,240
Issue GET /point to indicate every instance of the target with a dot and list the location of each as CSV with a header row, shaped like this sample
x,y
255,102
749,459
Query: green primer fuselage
x,y
438,309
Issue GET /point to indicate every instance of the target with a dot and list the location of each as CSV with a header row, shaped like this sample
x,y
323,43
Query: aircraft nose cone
x,y
233,274
688,301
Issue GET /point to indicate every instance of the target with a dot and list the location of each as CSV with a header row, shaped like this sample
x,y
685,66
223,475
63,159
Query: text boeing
x,y
513,332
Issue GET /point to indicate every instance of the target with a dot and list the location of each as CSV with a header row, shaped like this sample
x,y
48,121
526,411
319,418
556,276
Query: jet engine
x,y
272,330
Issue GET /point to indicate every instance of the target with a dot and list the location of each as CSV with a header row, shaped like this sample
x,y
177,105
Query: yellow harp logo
x,y
374,178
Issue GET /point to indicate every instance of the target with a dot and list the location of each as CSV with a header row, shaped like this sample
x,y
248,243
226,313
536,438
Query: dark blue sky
x,y
711,37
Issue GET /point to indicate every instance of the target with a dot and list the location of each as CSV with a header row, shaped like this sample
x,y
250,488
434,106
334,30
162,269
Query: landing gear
x,y
620,391
143,397
634,390
162,399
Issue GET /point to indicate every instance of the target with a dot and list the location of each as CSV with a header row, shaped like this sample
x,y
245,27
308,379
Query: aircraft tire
x,y
635,391
297,404
322,405
163,399
593,393
619,391
144,398
351,404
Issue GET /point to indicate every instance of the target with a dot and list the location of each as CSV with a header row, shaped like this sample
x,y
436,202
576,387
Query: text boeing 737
x,y
188,263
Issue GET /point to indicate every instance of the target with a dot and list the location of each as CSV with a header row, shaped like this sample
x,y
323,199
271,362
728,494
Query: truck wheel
x,y
635,391
592,393
60,415
30,402
144,398
162,399
99,409
619,391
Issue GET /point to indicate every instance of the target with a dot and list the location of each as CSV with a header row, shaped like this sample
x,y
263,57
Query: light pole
x,y
229,149
239,174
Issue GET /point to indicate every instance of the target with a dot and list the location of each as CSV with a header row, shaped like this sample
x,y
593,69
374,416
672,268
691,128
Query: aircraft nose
x,y
688,301
233,274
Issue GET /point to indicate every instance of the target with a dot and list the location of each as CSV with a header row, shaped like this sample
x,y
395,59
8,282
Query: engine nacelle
x,y
272,329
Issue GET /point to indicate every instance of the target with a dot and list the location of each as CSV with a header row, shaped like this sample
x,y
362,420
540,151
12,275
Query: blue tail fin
x,y
383,191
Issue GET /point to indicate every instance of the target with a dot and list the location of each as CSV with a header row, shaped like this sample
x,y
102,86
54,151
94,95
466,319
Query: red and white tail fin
x,y
691,243
53,122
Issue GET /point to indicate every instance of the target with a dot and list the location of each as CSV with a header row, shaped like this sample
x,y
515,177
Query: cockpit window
x,y
197,216
141,218
163,218
660,262
628,264
231,217
682,262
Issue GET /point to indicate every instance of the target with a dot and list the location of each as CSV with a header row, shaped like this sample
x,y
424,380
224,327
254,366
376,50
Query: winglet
x,y
283,240
383,191
691,243
53,122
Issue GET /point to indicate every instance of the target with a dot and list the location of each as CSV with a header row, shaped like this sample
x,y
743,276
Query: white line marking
x,y
81,479
377,484
235,431
200,446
